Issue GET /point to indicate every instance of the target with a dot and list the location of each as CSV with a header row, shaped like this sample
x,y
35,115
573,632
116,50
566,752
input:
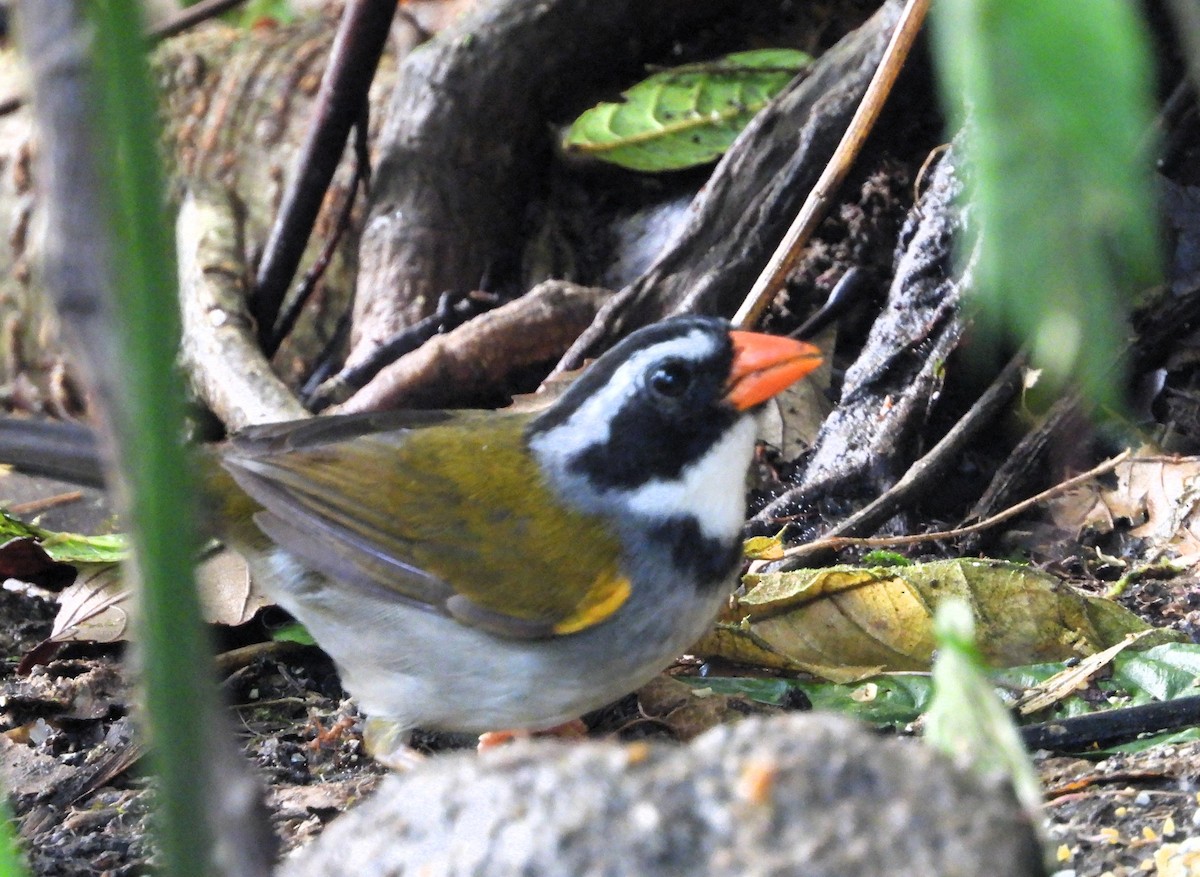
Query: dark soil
x,y
70,755
72,762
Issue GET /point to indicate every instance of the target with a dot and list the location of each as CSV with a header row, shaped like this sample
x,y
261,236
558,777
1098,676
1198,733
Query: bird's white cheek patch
x,y
712,489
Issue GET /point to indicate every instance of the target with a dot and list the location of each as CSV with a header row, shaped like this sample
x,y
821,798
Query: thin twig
x,y
304,290
847,292
448,316
190,17
771,281
37,506
353,59
835,543
1108,727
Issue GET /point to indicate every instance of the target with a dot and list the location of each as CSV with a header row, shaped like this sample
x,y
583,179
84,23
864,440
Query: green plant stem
x,y
179,695
11,864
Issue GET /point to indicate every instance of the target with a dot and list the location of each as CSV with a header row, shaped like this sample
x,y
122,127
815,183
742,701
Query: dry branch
x,y
466,365
866,442
468,141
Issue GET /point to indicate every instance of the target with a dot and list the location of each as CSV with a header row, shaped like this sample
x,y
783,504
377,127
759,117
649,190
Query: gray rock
x,y
805,794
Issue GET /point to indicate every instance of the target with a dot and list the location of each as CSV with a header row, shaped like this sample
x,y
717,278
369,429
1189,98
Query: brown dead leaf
x,y
689,711
1072,679
227,595
1083,510
96,608
1158,498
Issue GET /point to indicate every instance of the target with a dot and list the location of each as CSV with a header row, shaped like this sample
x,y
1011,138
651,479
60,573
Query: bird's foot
x,y
328,737
492,739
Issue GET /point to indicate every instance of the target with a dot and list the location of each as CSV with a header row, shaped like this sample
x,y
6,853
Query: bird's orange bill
x,y
763,365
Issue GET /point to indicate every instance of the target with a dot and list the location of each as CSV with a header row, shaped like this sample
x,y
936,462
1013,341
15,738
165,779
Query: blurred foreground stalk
x,y
109,264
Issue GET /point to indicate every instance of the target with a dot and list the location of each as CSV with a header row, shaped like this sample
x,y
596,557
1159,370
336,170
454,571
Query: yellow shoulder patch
x,y
606,595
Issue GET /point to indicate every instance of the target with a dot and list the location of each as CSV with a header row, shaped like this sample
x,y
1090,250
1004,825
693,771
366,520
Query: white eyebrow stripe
x,y
591,423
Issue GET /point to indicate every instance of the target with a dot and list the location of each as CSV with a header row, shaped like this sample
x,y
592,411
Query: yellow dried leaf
x,y
843,622
763,548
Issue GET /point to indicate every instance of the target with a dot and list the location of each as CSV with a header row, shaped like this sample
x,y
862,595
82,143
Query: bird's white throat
x,y
712,489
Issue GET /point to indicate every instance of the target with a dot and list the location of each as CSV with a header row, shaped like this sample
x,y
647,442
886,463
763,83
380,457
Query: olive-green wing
x,y
448,512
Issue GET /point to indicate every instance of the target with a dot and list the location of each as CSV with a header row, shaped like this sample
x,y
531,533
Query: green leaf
x,y
176,668
1143,743
293,633
892,699
1164,672
1057,105
846,623
11,860
68,547
896,699
76,548
12,528
880,557
686,116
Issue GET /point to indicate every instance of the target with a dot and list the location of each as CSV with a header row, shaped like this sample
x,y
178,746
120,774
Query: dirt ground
x,y
70,757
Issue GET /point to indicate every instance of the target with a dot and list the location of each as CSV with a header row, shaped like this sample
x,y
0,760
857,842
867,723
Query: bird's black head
x,y
647,409
658,434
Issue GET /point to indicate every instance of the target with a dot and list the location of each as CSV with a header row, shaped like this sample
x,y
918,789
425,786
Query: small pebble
x,y
646,817
39,733
1142,799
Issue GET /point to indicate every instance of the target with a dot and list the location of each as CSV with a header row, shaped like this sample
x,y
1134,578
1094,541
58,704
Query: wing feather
x,y
448,512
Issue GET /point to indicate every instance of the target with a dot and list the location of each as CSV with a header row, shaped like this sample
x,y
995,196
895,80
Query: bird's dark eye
x,y
671,379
